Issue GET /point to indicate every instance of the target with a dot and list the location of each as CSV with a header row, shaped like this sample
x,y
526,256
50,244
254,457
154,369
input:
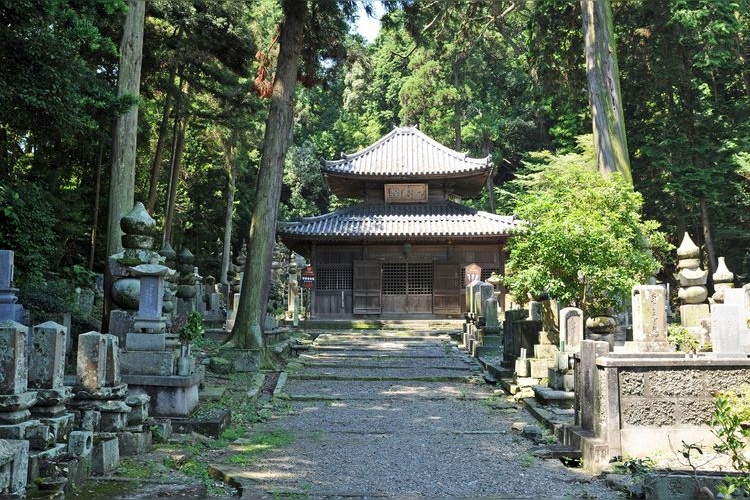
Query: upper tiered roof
x,y
406,155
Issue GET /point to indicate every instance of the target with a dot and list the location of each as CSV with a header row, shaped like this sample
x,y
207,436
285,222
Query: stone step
x,y
557,451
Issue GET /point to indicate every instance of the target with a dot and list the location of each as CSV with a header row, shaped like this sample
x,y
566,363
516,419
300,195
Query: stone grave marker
x,y
725,329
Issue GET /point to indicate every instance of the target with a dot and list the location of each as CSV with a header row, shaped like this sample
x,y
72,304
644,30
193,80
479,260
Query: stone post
x,y
9,310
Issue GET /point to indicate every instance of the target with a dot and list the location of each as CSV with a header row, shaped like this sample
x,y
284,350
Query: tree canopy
x,y
501,77
583,240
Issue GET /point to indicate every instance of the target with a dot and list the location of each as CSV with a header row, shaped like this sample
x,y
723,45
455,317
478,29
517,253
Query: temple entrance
x,y
393,287
407,287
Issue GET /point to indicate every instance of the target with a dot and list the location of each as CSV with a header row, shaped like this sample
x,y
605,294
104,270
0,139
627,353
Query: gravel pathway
x,y
381,416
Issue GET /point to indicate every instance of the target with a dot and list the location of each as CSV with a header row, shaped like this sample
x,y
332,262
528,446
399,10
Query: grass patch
x,y
136,469
247,449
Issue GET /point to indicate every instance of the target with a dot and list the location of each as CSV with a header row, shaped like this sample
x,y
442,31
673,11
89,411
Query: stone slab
x,y
160,363
14,453
134,443
145,341
105,456
692,314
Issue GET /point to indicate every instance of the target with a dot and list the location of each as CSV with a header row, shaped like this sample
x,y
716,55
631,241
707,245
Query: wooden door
x,y
366,284
446,289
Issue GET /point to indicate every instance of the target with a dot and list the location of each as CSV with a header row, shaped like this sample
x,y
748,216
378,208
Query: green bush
x,y
583,241
731,425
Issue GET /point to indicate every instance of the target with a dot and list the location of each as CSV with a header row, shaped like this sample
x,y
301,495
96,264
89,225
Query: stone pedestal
x,y
14,463
170,396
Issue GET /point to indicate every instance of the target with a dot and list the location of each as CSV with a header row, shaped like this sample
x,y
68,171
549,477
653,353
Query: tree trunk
x,y
248,328
605,100
708,241
229,144
97,193
159,153
181,123
122,177
122,180
486,147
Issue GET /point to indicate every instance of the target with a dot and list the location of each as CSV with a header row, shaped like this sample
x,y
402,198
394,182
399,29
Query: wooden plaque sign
x,y
473,273
406,193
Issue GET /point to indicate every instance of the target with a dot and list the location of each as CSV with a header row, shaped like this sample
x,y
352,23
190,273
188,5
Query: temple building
x,y
407,249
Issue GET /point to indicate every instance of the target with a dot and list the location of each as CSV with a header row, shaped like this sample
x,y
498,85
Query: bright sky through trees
x,y
368,26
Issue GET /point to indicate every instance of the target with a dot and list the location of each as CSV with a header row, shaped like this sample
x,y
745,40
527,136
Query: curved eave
x,y
348,185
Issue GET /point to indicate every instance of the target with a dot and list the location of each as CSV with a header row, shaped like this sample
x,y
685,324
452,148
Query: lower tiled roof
x,y
430,220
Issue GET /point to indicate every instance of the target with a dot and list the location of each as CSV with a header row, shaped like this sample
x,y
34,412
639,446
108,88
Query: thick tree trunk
x,y
122,177
248,328
122,180
229,145
605,98
160,143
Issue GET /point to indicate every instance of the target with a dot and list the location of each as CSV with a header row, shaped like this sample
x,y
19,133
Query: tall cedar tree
x,y
247,331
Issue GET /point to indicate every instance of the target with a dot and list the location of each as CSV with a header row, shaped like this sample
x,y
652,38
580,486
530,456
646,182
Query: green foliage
x,y
731,425
192,330
583,241
27,226
683,339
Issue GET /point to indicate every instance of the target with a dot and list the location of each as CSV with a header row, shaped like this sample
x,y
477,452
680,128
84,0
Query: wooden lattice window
x,y
334,278
420,278
394,278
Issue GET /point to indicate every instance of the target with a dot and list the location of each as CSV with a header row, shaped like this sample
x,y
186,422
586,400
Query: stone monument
x,y
692,292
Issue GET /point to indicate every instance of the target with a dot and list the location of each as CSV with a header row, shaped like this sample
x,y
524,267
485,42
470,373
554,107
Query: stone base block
x,y
14,464
105,456
134,443
545,351
692,314
77,470
522,367
112,392
113,421
161,429
60,426
14,417
38,458
538,367
173,396
549,338
37,434
138,404
53,397
595,451
522,382
17,402
560,380
80,443
145,341
120,323
161,363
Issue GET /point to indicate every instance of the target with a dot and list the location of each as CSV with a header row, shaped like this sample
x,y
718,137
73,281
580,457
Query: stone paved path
x,y
404,415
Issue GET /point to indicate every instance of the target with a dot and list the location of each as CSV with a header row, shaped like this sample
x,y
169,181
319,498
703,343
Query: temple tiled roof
x,y
398,222
406,152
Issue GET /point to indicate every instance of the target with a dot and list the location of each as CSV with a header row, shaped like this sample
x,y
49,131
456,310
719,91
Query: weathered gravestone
x,y
649,321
